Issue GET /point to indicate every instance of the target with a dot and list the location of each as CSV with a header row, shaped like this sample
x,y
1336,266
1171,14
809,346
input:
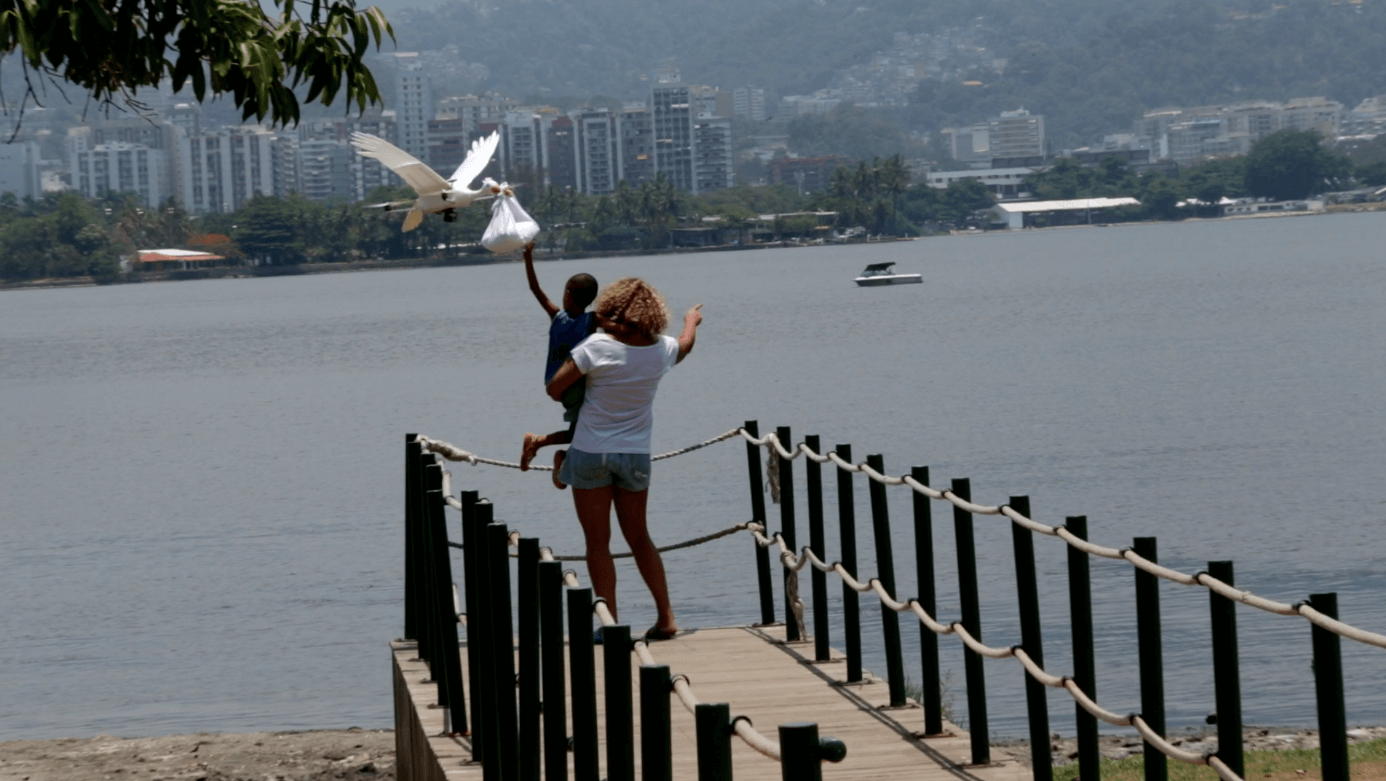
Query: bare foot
x,y
531,449
558,462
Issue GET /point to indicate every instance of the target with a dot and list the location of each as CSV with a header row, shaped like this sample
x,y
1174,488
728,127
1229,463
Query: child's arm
x,y
534,288
691,320
566,375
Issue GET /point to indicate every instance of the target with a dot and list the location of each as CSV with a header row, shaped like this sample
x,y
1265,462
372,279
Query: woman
x,y
608,462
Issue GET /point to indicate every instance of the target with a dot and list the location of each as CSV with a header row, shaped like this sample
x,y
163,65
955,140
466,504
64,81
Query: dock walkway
x,y
761,677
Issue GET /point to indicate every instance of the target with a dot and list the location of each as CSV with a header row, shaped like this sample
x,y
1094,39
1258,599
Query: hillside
x,y
1089,66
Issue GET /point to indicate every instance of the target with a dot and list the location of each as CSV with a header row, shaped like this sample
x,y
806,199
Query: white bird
x,y
436,194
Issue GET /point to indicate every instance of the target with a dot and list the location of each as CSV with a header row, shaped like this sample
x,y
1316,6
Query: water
x,y
201,523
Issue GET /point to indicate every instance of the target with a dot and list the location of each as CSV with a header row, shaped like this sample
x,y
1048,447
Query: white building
x,y
413,106
692,143
219,171
120,168
749,103
1016,134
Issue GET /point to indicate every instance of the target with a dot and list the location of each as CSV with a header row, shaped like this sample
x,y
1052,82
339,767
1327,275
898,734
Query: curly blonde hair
x,y
637,302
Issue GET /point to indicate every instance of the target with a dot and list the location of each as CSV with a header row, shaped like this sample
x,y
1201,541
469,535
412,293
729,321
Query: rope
x,y
771,442
454,453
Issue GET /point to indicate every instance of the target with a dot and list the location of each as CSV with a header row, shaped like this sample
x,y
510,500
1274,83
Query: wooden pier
x,y
762,678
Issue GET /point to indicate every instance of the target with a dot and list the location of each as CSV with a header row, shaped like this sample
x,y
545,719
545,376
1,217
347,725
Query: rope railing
x,y
771,441
1320,610
794,563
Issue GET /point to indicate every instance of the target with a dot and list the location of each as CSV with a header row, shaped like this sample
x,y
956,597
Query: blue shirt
x,y
564,334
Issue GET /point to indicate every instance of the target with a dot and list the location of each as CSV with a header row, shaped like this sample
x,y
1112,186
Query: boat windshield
x,y
877,269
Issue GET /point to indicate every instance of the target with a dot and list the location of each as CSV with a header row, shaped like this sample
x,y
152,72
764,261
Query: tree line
x,y
65,235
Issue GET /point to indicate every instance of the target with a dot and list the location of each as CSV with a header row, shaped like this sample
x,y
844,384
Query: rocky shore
x,y
326,755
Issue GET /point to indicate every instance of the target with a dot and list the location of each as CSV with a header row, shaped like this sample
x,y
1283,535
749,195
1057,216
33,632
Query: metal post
x,y
885,569
930,681
473,564
656,751
1084,657
503,651
847,538
582,666
1328,689
791,626
528,617
620,717
412,492
767,587
1226,676
713,722
1151,658
1027,593
799,760
486,692
551,629
451,658
821,651
423,575
972,622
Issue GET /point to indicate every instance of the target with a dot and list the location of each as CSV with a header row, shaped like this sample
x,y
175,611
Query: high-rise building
x,y
635,155
672,111
219,171
120,168
713,167
561,152
598,166
19,169
749,103
413,107
1016,134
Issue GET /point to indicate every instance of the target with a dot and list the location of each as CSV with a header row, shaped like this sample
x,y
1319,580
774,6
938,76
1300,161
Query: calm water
x,y
201,518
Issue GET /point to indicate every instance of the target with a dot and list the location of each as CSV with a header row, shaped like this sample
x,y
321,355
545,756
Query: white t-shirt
x,y
617,416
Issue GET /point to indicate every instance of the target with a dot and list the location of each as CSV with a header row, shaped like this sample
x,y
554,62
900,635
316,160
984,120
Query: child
x,y
570,325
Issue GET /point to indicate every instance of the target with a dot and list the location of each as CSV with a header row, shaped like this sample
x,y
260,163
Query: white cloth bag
x,y
511,227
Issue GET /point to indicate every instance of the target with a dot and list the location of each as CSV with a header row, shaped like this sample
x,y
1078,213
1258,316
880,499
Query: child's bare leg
x,y
557,464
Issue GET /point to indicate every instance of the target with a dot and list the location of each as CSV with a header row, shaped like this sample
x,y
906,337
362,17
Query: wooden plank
x,y
772,683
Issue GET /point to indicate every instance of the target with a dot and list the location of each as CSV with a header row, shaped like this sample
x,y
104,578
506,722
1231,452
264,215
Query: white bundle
x,y
511,226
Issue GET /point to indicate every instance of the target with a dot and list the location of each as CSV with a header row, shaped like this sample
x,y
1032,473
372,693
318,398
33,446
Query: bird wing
x,y
423,179
476,160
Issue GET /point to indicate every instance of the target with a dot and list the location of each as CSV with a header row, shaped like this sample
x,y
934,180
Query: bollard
x,y
412,492
791,626
930,682
1084,658
656,749
821,651
1151,658
767,588
1226,677
885,569
802,752
847,534
1027,593
527,589
713,722
972,622
1328,690
620,716
582,666
551,654
505,741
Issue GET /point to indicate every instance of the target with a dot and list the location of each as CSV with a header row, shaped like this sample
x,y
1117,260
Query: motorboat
x,y
881,274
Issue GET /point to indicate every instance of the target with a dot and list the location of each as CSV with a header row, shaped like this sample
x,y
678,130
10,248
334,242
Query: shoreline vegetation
x,y
486,258
355,754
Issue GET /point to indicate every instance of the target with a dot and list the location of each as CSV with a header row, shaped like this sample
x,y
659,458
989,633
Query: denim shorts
x,y
630,471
